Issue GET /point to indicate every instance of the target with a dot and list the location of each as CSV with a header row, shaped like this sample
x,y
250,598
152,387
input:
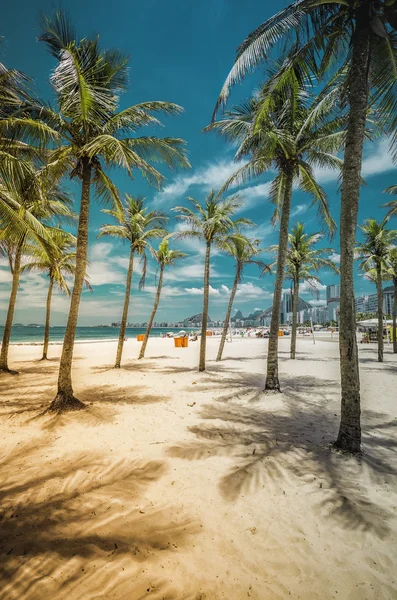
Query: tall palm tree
x,y
165,257
91,134
58,268
360,35
302,264
391,273
289,130
243,250
139,227
373,254
213,223
44,201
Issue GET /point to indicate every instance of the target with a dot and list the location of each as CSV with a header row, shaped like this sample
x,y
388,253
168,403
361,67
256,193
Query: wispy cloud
x,y
212,175
298,210
245,291
335,258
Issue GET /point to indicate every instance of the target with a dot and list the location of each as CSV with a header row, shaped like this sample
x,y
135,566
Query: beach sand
x,y
179,485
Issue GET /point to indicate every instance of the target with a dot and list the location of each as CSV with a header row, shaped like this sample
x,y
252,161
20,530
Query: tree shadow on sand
x,y
71,523
269,448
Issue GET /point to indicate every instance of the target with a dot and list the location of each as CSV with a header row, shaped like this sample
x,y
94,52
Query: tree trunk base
x,y
272,384
9,371
117,366
65,402
346,443
44,357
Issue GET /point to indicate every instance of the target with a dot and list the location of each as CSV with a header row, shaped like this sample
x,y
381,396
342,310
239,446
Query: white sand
x,y
176,485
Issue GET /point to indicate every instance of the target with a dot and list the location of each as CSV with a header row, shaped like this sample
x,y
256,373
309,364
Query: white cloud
x,y
213,175
194,291
335,258
377,159
192,271
100,250
307,288
249,291
298,210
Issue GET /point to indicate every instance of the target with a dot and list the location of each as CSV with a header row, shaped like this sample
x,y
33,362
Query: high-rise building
x,y
333,293
286,308
388,298
361,304
333,301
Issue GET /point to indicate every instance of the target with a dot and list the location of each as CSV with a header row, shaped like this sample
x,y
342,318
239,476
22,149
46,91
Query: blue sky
x,y
179,51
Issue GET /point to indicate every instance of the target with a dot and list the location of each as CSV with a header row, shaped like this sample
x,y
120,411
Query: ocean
x,y
31,335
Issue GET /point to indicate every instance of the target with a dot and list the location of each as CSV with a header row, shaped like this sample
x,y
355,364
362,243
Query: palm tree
x,y
43,201
391,273
91,134
302,264
58,268
139,227
361,35
214,224
290,131
373,254
165,257
244,251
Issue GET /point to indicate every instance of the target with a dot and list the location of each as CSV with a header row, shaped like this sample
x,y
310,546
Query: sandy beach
x,y
175,485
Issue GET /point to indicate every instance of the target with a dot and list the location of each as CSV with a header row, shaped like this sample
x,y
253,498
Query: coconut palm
x,y
391,273
293,132
58,268
43,201
165,257
360,36
138,227
302,264
373,254
213,223
243,250
92,134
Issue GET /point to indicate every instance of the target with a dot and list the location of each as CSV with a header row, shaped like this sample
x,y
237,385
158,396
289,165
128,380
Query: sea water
x,y
35,334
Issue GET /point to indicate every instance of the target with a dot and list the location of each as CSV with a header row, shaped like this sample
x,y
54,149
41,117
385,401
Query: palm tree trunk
x,y
272,381
395,318
65,400
155,307
10,313
349,436
379,290
295,302
47,319
124,318
203,341
228,313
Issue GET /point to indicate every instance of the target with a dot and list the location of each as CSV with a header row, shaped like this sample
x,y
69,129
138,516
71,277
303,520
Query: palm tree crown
x,y
165,256
137,225
303,260
289,130
59,267
213,221
378,240
320,33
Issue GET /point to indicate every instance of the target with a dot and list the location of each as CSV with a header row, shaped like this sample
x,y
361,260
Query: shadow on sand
x,y
72,525
269,448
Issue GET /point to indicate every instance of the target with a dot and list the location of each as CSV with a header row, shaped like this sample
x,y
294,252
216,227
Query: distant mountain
x,y
238,316
263,314
196,318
